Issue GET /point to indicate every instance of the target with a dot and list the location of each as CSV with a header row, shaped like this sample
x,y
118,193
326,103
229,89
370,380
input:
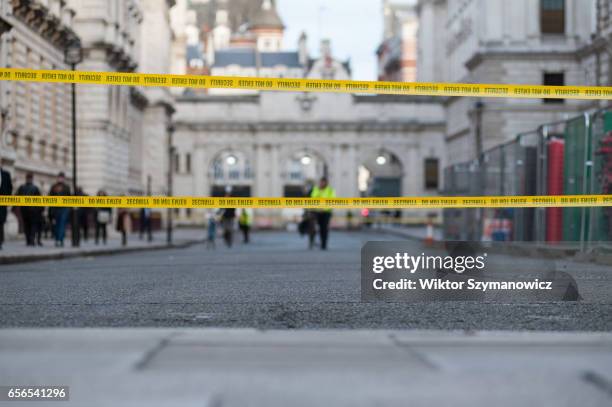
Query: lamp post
x,y
170,129
73,56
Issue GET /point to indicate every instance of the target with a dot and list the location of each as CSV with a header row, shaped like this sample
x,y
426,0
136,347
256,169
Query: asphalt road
x,y
275,282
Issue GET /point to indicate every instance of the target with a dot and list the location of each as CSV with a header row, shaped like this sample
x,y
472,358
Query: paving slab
x,y
248,367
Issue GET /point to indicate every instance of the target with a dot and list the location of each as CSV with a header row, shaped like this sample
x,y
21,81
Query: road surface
x,y
273,283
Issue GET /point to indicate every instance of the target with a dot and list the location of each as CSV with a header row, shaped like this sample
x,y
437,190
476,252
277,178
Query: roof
x,y
267,17
247,57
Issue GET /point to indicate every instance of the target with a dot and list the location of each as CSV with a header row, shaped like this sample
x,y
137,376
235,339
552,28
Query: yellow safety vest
x,y
327,192
245,218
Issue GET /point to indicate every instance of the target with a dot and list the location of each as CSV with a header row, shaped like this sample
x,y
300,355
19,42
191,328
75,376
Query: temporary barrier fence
x,y
567,157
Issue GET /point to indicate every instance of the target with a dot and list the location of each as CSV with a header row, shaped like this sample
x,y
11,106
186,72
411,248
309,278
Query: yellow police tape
x,y
308,85
311,203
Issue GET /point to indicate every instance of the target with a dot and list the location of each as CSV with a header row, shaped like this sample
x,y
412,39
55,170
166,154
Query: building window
x,y
431,173
553,79
54,153
552,16
188,163
65,152
177,163
29,147
43,150
188,212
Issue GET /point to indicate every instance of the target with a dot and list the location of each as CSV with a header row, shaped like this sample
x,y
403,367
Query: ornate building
x,y
122,134
397,54
35,117
539,42
114,153
274,143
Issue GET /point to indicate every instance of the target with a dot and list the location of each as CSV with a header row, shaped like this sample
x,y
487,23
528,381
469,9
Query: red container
x,y
554,216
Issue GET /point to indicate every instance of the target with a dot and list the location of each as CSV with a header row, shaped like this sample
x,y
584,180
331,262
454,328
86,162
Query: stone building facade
x,y
495,41
273,144
122,134
35,117
123,137
397,54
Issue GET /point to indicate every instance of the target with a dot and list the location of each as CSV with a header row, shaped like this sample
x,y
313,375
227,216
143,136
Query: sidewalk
x,y
15,251
244,367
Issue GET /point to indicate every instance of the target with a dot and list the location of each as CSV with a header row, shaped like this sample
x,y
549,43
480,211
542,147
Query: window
x,y
188,163
553,79
54,153
177,163
431,173
65,152
43,150
552,16
29,147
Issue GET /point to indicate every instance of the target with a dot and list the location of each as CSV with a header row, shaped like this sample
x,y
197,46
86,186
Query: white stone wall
x,y
497,41
156,56
110,34
37,132
270,128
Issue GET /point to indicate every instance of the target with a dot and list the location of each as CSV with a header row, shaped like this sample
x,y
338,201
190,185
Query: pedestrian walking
x,y
124,224
228,217
103,218
31,216
244,222
83,217
211,230
323,216
6,188
60,215
145,224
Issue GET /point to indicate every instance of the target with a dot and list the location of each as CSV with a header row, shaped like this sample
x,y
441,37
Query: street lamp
x,y
74,56
171,130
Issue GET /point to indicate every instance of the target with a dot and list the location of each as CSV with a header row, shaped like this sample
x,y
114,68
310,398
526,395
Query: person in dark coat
x,y
31,216
59,214
103,218
145,224
6,188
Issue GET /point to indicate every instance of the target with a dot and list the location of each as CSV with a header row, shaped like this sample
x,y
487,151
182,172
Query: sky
x,y
355,28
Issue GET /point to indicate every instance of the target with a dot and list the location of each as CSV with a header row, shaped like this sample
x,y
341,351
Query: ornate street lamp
x,y
74,56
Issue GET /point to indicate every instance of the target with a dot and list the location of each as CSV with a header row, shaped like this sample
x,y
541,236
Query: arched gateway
x,y
268,145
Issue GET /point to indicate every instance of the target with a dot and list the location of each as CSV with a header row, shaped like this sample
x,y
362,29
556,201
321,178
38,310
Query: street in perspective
x,y
219,258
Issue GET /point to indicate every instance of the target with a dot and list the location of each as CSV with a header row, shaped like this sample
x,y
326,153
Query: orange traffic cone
x,y
429,233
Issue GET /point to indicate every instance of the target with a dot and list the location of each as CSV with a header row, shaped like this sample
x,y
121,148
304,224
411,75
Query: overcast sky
x,y
353,26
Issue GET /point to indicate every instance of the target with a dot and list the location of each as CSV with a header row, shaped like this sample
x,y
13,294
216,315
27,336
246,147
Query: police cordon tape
x,y
311,203
308,85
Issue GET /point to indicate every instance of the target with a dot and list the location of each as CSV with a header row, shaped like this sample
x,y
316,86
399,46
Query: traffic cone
x,y
429,233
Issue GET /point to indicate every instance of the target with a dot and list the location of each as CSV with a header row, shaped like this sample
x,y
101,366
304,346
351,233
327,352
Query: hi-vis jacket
x,y
327,192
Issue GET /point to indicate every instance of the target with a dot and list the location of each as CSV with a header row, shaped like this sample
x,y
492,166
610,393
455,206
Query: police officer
x,y
323,190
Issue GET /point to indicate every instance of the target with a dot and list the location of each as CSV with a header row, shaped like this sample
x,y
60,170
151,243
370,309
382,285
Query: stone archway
x,y
380,173
231,171
301,169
